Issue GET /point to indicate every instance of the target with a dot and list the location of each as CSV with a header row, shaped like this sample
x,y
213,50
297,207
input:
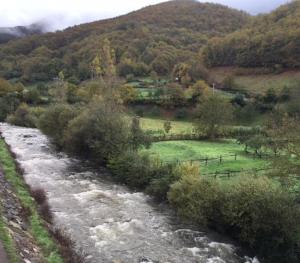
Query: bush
x,y
256,211
8,104
141,172
39,195
181,113
22,117
196,198
100,132
54,121
132,169
265,218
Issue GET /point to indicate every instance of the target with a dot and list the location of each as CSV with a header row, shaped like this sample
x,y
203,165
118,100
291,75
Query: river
x,y
106,220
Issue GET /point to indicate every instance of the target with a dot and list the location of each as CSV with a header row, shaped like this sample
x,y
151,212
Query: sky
x,y
59,14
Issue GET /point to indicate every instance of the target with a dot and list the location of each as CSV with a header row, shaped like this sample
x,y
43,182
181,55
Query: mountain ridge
x,y
154,38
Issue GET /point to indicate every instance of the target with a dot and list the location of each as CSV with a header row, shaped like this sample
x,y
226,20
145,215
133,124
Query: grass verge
x,y
8,242
36,224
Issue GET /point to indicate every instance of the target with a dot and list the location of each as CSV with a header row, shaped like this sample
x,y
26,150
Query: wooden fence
x,y
206,160
231,173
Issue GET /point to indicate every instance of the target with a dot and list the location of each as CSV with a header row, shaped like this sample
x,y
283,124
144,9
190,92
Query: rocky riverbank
x,y
15,218
26,220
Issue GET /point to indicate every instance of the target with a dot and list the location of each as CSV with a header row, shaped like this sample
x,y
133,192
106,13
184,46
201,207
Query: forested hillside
x,y
153,39
10,33
271,40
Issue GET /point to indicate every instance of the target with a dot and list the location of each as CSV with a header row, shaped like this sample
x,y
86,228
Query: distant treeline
x,y
153,39
271,40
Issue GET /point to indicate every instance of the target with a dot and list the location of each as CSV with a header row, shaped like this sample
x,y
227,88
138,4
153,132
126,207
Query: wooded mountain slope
x,y
154,38
271,40
10,33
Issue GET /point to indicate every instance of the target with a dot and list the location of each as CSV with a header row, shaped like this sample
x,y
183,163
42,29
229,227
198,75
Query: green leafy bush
x,y
141,172
22,117
54,121
264,217
99,132
256,211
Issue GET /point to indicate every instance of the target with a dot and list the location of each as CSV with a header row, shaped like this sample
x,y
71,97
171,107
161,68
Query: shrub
x,y
132,168
8,104
164,175
196,198
22,117
142,172
55,120
256,211
100,132
264,217
39,195
181,113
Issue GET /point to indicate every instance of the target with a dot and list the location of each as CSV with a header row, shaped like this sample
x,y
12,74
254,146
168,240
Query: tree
x,y
228,82
285,134
104,63
198,90
128,93
55,120
137,136
181,74
22,117
167,126
212,113
96,66
99,132
176,94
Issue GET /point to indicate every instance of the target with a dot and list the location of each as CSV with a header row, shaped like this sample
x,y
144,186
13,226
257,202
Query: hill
x,y
271,40
10,33
154,38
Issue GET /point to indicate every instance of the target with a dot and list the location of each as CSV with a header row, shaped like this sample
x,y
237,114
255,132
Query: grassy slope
x,y
8,243
37,228
189,150
258,83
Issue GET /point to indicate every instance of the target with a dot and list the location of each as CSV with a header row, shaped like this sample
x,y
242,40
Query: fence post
x,y
235,157
220,158
206,161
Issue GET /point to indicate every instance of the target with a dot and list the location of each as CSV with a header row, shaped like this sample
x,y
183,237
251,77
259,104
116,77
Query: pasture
x,y
257,83
157,125
172,151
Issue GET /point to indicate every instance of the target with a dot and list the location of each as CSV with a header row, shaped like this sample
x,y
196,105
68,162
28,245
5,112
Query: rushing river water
x,y
108,221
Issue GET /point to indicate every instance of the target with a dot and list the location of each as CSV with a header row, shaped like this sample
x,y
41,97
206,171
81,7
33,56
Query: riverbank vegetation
x,y
93,121
36,224
8,242
55,246
220,145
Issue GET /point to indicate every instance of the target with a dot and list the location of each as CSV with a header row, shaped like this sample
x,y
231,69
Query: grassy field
x,y
146,92
178,127
258,84
172,151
